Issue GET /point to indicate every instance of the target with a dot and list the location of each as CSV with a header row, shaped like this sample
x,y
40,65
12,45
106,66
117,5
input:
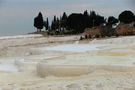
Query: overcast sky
x,y
16,16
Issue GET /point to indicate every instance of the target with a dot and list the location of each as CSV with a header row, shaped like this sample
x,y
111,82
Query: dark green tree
x,y
53,25
126,17
95,19
76,21
57,23
54,19
86,18
64,16
85,13
38,22
109,30
63,21
112,20
46,24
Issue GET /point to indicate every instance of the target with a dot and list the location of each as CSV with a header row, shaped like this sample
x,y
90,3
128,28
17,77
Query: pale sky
x,y
16,16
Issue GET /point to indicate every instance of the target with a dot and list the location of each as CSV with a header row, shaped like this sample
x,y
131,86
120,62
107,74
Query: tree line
x,y
76,23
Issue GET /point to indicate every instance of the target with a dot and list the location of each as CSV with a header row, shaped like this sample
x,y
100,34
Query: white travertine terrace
x,y
64,63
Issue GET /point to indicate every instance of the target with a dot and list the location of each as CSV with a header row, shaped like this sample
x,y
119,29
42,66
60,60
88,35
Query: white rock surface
x,y
111,61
